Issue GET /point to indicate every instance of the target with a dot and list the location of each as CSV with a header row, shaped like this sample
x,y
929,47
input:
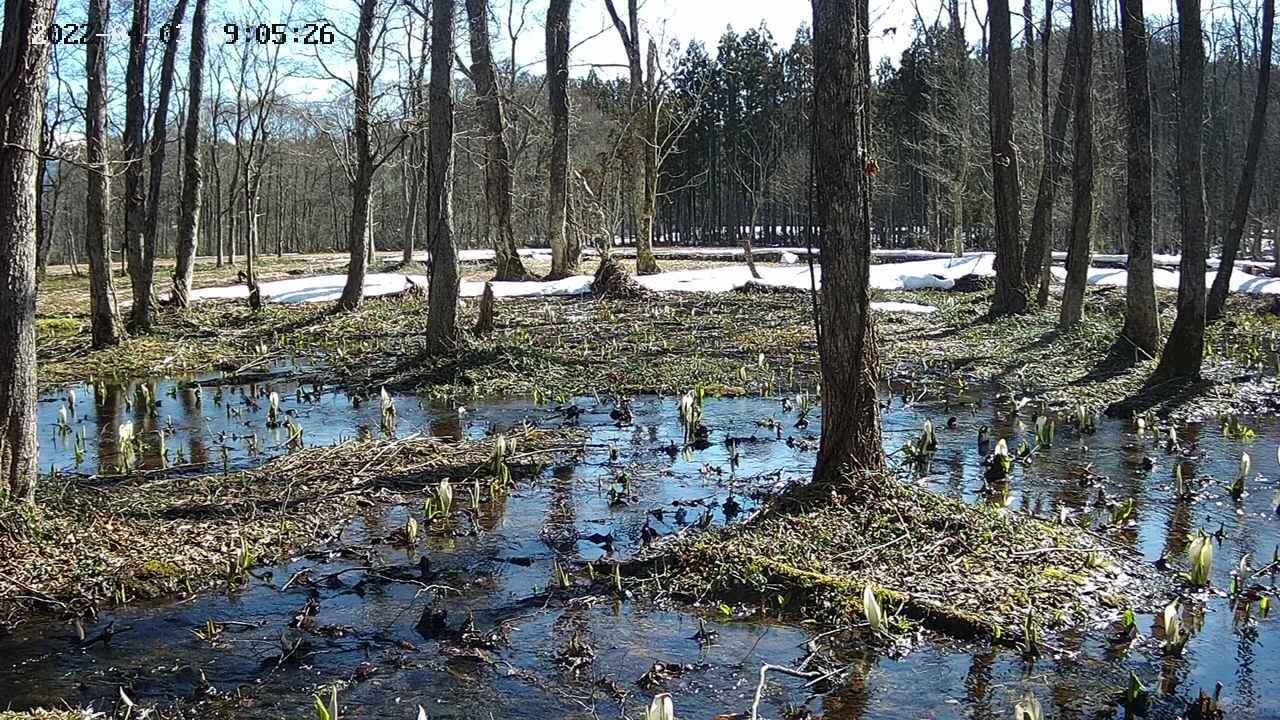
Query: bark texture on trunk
x,y
646,263
1078,251
97,224
1248,173
159,144
498,184
358,233
1184,352
25,63
141,266
1011,285
1040,241
851,438
192,177
564,253
1142,316
638,148
42,227
192,174
442,314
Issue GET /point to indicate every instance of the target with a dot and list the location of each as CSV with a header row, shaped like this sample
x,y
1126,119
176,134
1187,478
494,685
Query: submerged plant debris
x,y
115,539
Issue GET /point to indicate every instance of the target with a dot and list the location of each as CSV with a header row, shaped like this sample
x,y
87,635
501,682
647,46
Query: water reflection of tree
x,y
977,684
108,407
197,450
850,700
447,425
1177,529
559,530
1066,691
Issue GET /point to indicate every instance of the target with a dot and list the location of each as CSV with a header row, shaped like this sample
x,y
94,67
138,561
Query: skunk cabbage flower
x,y
1028,708
1200,553
871,607
661,708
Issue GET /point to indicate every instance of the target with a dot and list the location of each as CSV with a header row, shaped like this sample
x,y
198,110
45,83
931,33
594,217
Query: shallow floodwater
x,y
365,627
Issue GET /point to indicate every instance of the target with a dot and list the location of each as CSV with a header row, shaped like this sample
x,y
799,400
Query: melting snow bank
x,y
328,288
939,273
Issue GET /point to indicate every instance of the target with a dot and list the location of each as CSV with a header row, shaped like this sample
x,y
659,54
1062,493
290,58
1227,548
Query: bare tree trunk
x,y
42,229
97,224
640,129
192,177
21,124
1184,352
564,260
135,197
1040,244
1142,316
497,163
851,439
358,234
1011,285
1248,173
442,315
159,144
747,250
645,262
1078,250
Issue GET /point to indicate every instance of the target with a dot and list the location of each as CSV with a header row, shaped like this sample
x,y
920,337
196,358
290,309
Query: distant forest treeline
x,y
732,142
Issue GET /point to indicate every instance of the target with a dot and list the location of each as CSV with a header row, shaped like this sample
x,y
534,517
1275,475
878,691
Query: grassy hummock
x,y
967,571
122,538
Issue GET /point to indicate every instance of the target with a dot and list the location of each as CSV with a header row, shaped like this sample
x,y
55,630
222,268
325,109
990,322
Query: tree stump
x,y
611,281
484,324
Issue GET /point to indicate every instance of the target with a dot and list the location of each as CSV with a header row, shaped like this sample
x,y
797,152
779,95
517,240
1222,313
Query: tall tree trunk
x,y
135,197
192,177
640,124
851,439
1184,352
1248,173
498,185
645,262
564,261
1011,284
1142,316
97,223
442,315
358,234
159,132
22,98
42,229
1078,250
1040,244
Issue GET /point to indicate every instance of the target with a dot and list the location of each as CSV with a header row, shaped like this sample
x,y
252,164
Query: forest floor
x,y
733,343
564,346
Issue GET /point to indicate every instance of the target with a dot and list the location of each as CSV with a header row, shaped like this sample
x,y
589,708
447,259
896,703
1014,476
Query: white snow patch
x,y
328,288
938,273
790,258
